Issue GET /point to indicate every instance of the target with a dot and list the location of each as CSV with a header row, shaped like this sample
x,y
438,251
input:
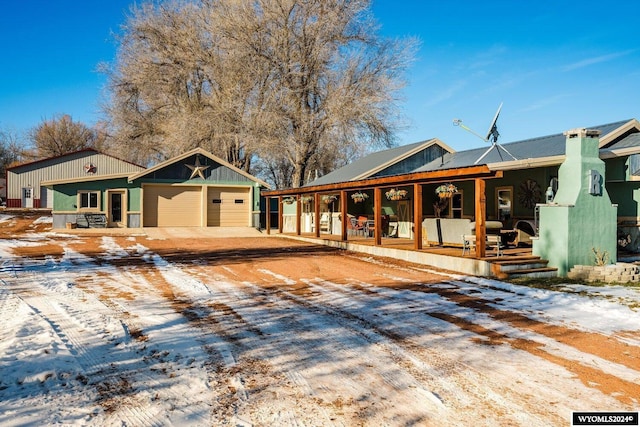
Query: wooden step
x,y
532,272
522,265
526,266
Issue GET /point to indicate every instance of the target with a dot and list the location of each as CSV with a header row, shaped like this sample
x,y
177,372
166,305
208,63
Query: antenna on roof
x,y
492,135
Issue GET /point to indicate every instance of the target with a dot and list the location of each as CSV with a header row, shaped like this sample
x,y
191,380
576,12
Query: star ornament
x,y
197,169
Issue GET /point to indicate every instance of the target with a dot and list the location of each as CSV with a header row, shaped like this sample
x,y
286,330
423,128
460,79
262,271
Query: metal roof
x,y
374,162
629,141
535,148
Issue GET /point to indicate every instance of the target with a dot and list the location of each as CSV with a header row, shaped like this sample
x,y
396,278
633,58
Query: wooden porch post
x,y
280,221
343,215
267,200
481,212
316,216
298,212
377,215
417,216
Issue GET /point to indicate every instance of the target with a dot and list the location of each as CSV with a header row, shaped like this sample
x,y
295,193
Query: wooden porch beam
x,y
462,174
267,201
343,215
316,215
298,213
280,216
417,216
481,212
377,215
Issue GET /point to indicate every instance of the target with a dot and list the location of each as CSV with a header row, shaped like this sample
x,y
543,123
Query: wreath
x,y
529,194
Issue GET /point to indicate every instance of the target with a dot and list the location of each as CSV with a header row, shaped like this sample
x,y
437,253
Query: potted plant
x,y
288,200
359,197
446,190
395,194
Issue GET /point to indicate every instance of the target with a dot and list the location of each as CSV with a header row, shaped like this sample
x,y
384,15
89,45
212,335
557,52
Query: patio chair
x,y
325,222
469,242
354,228
363,223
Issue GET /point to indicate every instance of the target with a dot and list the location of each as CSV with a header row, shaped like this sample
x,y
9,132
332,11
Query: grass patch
x,y
559,283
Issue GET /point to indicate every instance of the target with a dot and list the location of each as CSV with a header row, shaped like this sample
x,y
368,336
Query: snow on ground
x,y
124,335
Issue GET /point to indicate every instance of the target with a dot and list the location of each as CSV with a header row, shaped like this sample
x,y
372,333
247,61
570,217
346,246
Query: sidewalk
x,y
168,232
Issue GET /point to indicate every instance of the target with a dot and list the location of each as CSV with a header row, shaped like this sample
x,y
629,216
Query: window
x,y
239,201
456,205
89,200
504,204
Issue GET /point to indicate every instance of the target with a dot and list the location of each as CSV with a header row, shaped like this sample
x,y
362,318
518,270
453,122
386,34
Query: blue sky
x,y
555,65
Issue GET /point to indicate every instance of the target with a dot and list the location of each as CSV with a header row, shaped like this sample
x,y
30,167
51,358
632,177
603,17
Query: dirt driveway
x,y
144,330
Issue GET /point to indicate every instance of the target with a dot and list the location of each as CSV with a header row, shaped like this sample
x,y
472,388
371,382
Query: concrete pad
x,y
202,232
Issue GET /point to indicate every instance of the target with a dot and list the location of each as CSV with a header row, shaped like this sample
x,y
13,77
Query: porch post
x,y
343,215
298,212
481,212
267,200
316,216
280,222
377,215
417,216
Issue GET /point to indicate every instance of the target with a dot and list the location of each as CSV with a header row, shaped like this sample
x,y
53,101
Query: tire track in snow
x,y
97,357
124,392
170,319
560,355
407,356
291,332
552,343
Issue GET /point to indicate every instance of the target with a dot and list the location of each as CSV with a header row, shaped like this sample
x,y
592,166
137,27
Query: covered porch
x,y
401,219
337,217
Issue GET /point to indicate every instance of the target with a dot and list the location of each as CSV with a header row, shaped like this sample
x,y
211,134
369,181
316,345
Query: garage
x,y
172,206
228,207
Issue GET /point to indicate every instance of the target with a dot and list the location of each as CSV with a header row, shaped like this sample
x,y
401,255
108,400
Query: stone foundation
x,y
613,273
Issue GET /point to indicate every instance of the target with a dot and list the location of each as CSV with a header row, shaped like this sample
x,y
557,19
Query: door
x,y
116,209
228,207
172,206
405,221
27,197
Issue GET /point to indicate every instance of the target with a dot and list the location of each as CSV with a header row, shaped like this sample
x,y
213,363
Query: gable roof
x,y
191,153
541,151
62,157
374,163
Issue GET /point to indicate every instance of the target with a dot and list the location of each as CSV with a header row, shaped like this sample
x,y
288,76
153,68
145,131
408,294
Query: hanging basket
x,y
446,191
395,194
288,200
359,197
329,198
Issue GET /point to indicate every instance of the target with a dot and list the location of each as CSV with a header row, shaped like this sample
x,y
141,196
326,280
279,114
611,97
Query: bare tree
x,y
173,88
299,85
61,135
11,150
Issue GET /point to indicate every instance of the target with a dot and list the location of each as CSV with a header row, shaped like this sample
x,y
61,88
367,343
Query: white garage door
x,y
168,206
228,207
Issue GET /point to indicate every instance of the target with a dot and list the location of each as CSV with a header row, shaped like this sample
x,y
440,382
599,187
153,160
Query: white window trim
x,y
89,208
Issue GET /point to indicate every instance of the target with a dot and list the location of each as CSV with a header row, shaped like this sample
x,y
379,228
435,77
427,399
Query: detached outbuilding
x,y
196,189
25,187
